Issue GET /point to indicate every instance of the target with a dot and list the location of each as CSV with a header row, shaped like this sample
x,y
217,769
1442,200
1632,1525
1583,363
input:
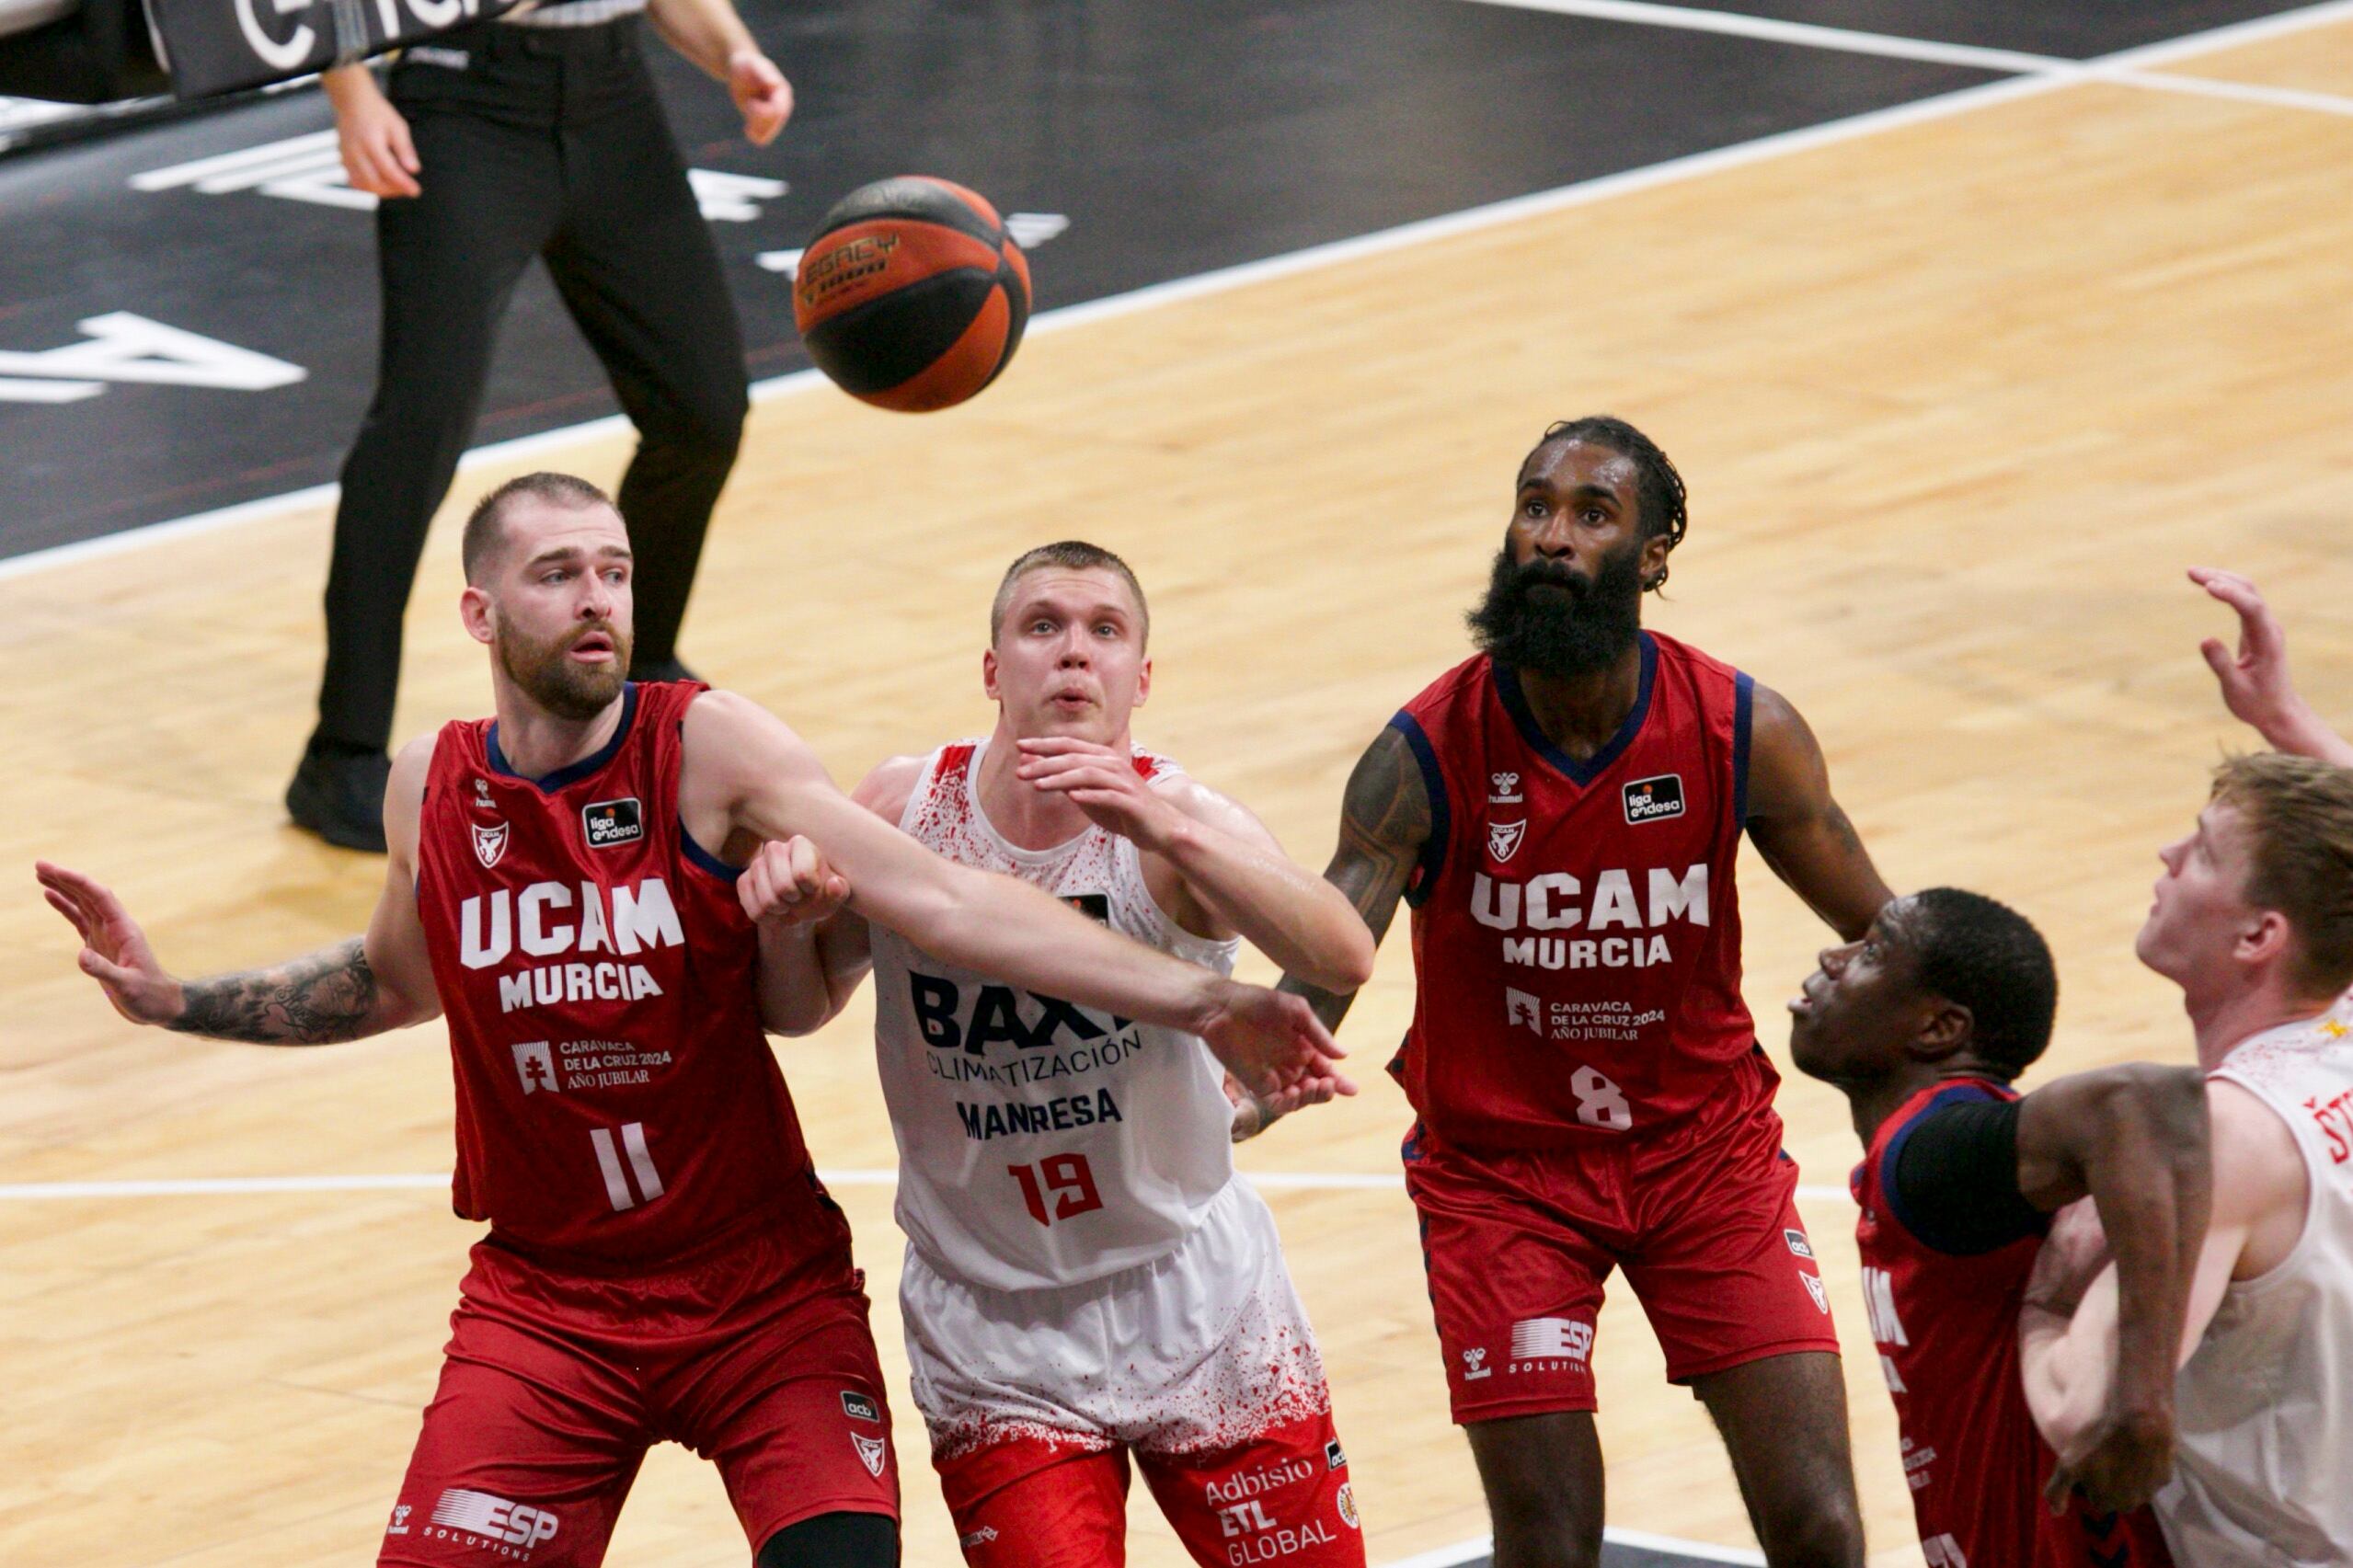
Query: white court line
x,y
2111,69
427,1181
1780,145
1472,1551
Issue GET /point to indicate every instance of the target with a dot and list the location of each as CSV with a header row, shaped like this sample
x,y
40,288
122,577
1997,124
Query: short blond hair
x,y
2299,813
1070,556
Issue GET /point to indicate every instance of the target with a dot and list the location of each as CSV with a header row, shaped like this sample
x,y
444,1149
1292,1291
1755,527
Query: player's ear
x,y
1946,1027
473,609
1143,682
2263,939
989,675
1654,562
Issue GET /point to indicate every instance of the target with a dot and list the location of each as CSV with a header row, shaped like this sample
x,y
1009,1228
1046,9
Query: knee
x,y
1821,1530
703,432
1537,1532
833,1541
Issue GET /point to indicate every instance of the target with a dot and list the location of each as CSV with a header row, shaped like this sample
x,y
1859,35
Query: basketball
x,y
912,296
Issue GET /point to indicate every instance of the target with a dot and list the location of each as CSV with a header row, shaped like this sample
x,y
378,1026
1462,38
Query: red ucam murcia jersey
x,y
618,1102
1577,940
1946,1326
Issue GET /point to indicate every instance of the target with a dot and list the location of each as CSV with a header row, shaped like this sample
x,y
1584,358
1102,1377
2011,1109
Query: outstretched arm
x,y
2134,1140
360,987
742,759
1799,828
1231,875
2256,685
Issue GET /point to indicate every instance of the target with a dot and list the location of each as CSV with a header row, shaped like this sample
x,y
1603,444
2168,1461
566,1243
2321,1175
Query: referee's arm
x,y
709,33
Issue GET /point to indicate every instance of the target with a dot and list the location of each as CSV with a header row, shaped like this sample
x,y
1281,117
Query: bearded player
x,y
1923,1024
1087,1277
1563,811
662,1262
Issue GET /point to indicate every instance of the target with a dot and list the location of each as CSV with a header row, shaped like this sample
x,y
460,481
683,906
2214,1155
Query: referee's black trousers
x,y
543,142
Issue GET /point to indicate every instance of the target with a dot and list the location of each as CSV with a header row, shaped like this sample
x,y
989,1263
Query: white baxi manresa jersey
x,y
1042,1143
2262,1475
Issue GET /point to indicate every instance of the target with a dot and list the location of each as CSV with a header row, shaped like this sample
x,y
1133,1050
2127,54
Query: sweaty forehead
x,y
1565,464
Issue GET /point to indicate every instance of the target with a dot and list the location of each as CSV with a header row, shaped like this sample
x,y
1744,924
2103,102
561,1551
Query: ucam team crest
x,y
1503,838
489,843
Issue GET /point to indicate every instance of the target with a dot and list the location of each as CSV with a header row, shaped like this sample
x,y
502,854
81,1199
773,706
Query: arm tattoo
x,y
317,1000
1385,822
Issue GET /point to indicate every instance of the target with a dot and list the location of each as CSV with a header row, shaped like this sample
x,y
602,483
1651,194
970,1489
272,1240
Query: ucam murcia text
x,y
545,920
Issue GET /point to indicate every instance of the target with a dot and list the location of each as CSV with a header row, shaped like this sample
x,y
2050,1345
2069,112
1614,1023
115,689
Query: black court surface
x,y
187,311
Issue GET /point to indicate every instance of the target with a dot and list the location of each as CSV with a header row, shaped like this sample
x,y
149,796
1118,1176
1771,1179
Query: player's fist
x,y
761,93
114,950
789,882
1276,1048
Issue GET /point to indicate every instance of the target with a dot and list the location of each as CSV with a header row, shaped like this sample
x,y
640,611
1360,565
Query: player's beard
x,y
550,676
1540,615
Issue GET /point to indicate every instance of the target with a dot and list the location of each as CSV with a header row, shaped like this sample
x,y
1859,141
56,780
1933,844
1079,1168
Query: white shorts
x,y
1200,1351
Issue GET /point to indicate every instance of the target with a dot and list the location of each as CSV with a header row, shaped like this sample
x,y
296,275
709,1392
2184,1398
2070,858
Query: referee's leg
x,y
635,263
449,259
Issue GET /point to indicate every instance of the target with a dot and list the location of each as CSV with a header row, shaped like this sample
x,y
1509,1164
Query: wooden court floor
x,y
1957,402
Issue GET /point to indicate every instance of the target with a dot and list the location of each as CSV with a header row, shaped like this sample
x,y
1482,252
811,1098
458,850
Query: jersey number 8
x,y
1599,1103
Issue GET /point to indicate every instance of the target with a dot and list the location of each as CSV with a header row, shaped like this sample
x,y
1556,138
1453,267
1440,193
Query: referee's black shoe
x,y
338,794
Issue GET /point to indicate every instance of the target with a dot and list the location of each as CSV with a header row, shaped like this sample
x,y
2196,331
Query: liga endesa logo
x,y
1655,800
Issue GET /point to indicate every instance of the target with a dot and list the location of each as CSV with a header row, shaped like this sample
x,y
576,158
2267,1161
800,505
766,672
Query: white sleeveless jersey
x,y
1040,1143
2264,1474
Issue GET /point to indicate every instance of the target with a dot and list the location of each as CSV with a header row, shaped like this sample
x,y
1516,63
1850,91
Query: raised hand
x,y
1103,783
2256,686
1276,1048
789,882
2255,681
114,950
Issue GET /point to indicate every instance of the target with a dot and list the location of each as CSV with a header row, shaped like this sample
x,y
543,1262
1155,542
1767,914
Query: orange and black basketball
x,y
912,296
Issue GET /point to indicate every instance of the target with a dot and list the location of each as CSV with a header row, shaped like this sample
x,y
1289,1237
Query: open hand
x,y
1102,782
789,882
114,950
1276,1048
379,155
2256,686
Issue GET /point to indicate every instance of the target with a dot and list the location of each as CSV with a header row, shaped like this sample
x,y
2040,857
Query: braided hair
x,y
1660,493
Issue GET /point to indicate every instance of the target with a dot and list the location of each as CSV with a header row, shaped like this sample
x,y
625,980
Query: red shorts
x,y
1702,1216
555,1384
1035,1502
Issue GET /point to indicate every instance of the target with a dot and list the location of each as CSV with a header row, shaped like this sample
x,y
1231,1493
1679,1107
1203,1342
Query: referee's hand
x,y
378,156
761,93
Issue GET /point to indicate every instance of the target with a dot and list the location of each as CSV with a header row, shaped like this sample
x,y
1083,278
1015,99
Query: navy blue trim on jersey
x,y
1433,848
1997,1214
696,855
1515,702
579,770
1744,701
